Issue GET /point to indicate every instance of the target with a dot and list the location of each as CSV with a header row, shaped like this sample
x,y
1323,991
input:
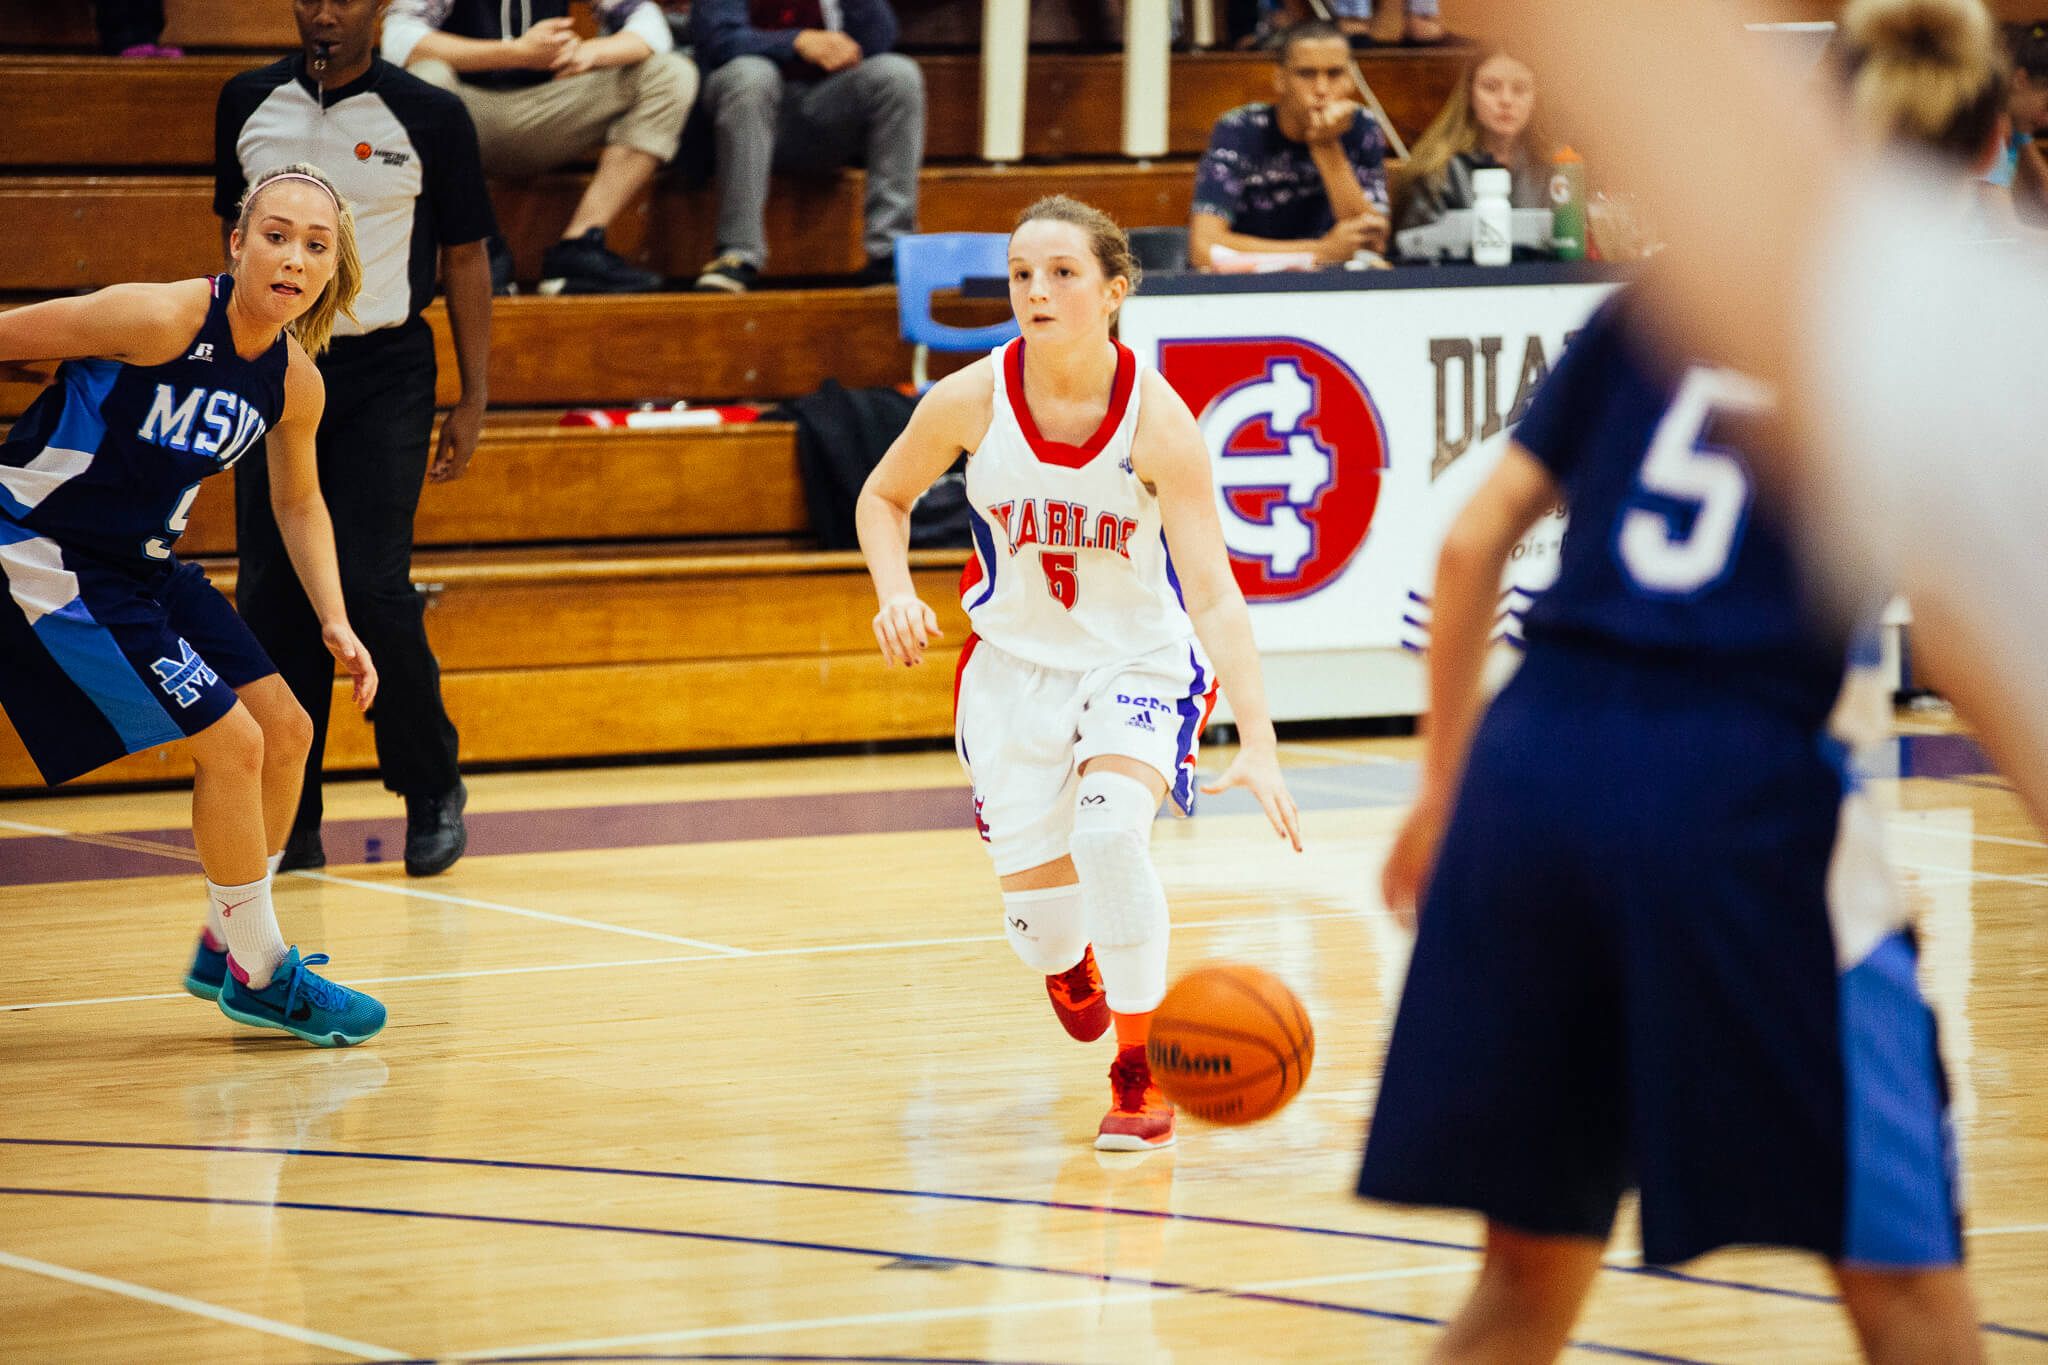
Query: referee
x,y
405,155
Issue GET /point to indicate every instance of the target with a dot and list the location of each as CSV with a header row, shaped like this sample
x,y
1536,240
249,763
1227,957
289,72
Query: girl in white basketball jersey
x,y
1104,615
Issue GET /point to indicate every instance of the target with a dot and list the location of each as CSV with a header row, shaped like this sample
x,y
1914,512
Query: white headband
x,y
265,184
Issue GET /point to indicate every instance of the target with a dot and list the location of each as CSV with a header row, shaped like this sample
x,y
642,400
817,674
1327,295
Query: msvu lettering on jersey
x,y
1299,451
1062,525
203,421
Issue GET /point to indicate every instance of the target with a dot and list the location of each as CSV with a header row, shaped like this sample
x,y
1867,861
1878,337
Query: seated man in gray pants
x,y
805,85
541,96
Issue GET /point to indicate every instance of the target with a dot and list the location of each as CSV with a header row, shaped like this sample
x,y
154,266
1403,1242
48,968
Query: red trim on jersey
x,y
960,670
970,575
1059,452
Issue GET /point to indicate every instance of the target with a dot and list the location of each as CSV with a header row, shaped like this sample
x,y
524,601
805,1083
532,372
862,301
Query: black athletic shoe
x,y
727,275
585,265
434,833
303,851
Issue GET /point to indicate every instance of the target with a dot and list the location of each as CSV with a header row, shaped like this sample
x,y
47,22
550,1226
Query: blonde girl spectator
x,y
1489,120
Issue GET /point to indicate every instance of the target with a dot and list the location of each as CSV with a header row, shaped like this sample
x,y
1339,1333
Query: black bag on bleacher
x,y
841,435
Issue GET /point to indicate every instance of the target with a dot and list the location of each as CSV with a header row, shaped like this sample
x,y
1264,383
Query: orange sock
x,y
1132,1029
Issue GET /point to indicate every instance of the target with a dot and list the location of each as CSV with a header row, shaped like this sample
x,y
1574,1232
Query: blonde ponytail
x,y
1930,73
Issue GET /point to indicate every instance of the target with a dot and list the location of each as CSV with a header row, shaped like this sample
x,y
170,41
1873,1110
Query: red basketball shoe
x,y
1078,1000
1139,1118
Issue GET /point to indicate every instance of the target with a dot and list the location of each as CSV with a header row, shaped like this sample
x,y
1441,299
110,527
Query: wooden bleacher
x,y
622,349
595,593
534,481
90,230
577,655
69,109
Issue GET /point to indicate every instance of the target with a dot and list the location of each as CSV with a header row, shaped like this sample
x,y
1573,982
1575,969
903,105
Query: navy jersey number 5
x,y
1683,473
1670,552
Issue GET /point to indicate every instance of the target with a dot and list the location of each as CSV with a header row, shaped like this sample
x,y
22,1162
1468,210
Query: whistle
x,y
320,54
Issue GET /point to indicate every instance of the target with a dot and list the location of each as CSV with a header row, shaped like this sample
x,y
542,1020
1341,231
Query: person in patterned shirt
x,y
1303,174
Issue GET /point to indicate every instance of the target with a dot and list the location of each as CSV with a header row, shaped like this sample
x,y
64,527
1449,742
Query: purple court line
x,y
778,1358
48,858
694,1177
789,1244
38,859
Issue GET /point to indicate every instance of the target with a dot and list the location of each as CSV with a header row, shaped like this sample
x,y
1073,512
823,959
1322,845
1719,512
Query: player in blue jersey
x,y
1658,944
112,644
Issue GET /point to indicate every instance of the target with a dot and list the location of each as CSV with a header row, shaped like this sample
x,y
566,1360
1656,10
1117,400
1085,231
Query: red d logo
x,y
1299,449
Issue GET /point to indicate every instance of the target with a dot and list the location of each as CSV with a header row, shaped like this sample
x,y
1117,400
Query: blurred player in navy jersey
x,y
1658,943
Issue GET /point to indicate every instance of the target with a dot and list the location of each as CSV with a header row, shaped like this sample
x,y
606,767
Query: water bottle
x,y
1568,206
1493,218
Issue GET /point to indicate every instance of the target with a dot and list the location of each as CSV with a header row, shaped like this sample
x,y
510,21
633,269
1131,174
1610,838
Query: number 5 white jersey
x,y
1070,567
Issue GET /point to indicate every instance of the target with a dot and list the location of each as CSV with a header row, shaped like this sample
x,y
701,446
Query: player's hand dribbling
x,y
1257,770
905,628
1411,860
342,643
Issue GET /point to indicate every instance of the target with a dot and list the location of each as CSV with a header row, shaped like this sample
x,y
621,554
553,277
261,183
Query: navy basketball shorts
x,y
102,662
1660,951
1023,731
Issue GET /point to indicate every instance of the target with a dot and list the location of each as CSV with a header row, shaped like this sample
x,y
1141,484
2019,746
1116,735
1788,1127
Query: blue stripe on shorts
x,y
1902,1174
89,656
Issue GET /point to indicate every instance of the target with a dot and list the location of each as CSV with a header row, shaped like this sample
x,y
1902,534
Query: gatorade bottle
x,y
1568,206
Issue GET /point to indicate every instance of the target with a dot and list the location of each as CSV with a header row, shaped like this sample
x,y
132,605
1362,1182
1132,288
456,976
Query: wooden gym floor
x,y
728,1061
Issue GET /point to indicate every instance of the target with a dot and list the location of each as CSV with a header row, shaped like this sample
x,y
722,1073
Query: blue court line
x,y
695,1177
790,1244
1211,1220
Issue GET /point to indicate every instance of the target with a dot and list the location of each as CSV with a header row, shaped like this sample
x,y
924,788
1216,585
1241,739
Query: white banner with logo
x,y
1348,428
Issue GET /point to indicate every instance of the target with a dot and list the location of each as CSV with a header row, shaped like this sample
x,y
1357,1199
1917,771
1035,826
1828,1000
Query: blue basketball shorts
x,y
1651,957
103,661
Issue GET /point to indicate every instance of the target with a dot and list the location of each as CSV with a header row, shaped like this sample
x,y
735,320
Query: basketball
x,y
1230,1043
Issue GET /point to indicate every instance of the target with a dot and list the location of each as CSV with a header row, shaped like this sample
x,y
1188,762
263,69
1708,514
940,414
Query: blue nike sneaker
x,y
209,968
300,1002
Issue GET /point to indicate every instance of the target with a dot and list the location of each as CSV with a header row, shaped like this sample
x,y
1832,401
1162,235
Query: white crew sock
x,y
216,931
249,926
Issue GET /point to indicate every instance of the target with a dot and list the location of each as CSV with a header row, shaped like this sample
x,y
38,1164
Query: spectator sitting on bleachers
x,y
2024,166
541,96
1304,174
1421,25
806,86
130,28
1422,22
1489,121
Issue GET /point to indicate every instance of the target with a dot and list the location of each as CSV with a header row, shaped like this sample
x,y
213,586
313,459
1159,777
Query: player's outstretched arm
x,y
302,519
952,416
1467,594
1170,455
142,324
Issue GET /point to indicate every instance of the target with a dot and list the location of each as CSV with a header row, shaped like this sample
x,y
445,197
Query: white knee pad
x,y
1046,928
1124,905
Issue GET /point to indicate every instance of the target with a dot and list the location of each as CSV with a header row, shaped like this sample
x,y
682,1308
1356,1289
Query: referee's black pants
x,y
373,448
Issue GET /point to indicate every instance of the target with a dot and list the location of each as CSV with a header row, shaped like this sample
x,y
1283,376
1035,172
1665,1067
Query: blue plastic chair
x,y
930,261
